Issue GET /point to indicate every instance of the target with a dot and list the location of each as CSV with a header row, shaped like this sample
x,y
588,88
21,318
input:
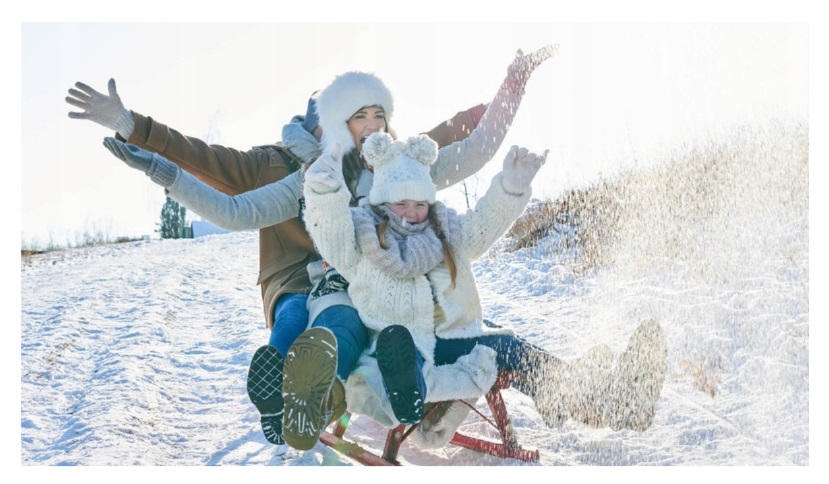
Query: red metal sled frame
x,y
508,446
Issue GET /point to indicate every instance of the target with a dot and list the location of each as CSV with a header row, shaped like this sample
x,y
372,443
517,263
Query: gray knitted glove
x,y
325,175
518,73
108,111
160,170
520,167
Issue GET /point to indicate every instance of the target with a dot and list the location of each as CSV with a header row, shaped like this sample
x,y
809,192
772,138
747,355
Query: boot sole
x,y
265,391
433,413
336,409
397,358
309,371
642,369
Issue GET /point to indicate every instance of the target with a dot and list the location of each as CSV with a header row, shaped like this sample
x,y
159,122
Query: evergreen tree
x,y
173,224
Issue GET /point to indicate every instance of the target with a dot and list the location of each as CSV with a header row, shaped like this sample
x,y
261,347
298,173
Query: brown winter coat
x,y
285,249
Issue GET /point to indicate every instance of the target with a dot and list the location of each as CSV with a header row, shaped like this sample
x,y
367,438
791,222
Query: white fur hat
x,y
401,169
346,95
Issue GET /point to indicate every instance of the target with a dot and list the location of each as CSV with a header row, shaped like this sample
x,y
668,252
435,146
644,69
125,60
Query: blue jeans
x,y
290,319
513,353
351,333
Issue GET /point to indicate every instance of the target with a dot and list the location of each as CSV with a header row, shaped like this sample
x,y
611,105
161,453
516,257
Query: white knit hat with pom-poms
x,y
401,168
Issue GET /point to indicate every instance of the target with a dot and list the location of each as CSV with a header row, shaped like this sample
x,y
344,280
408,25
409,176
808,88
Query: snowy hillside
x,y
137,353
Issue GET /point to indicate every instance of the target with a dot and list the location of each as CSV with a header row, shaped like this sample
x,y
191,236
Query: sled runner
x,y
506,447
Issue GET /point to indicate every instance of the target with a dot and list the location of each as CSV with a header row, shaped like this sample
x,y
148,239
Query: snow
x,y
136,354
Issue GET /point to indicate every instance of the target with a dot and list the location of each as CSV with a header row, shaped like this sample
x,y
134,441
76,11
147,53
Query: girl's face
x,y
412,211
368,120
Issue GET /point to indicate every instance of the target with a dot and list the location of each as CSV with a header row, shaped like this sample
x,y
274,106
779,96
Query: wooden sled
x,y
507,447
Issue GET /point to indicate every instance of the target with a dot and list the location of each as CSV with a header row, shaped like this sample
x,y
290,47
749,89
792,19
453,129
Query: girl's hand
x,y
520,168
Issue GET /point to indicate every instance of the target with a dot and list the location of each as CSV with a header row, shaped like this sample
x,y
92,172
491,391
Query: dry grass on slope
x,y
753,170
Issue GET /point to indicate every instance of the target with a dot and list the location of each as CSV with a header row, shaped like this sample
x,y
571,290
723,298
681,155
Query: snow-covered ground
x,y
137,353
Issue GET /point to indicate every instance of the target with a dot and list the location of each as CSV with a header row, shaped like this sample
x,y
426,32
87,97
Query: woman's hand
x,y
100,108
132,155
161,171
518,73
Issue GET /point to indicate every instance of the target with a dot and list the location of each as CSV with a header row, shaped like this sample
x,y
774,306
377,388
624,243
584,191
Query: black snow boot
x,y
265,391
397,358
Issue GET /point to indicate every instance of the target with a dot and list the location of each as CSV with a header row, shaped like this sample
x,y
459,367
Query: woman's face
x,y
368,120
412,211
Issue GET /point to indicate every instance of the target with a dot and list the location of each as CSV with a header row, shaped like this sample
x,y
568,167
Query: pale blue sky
x,y
615,91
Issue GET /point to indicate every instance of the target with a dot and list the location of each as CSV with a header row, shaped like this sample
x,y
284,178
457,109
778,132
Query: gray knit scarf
x,y
414,249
